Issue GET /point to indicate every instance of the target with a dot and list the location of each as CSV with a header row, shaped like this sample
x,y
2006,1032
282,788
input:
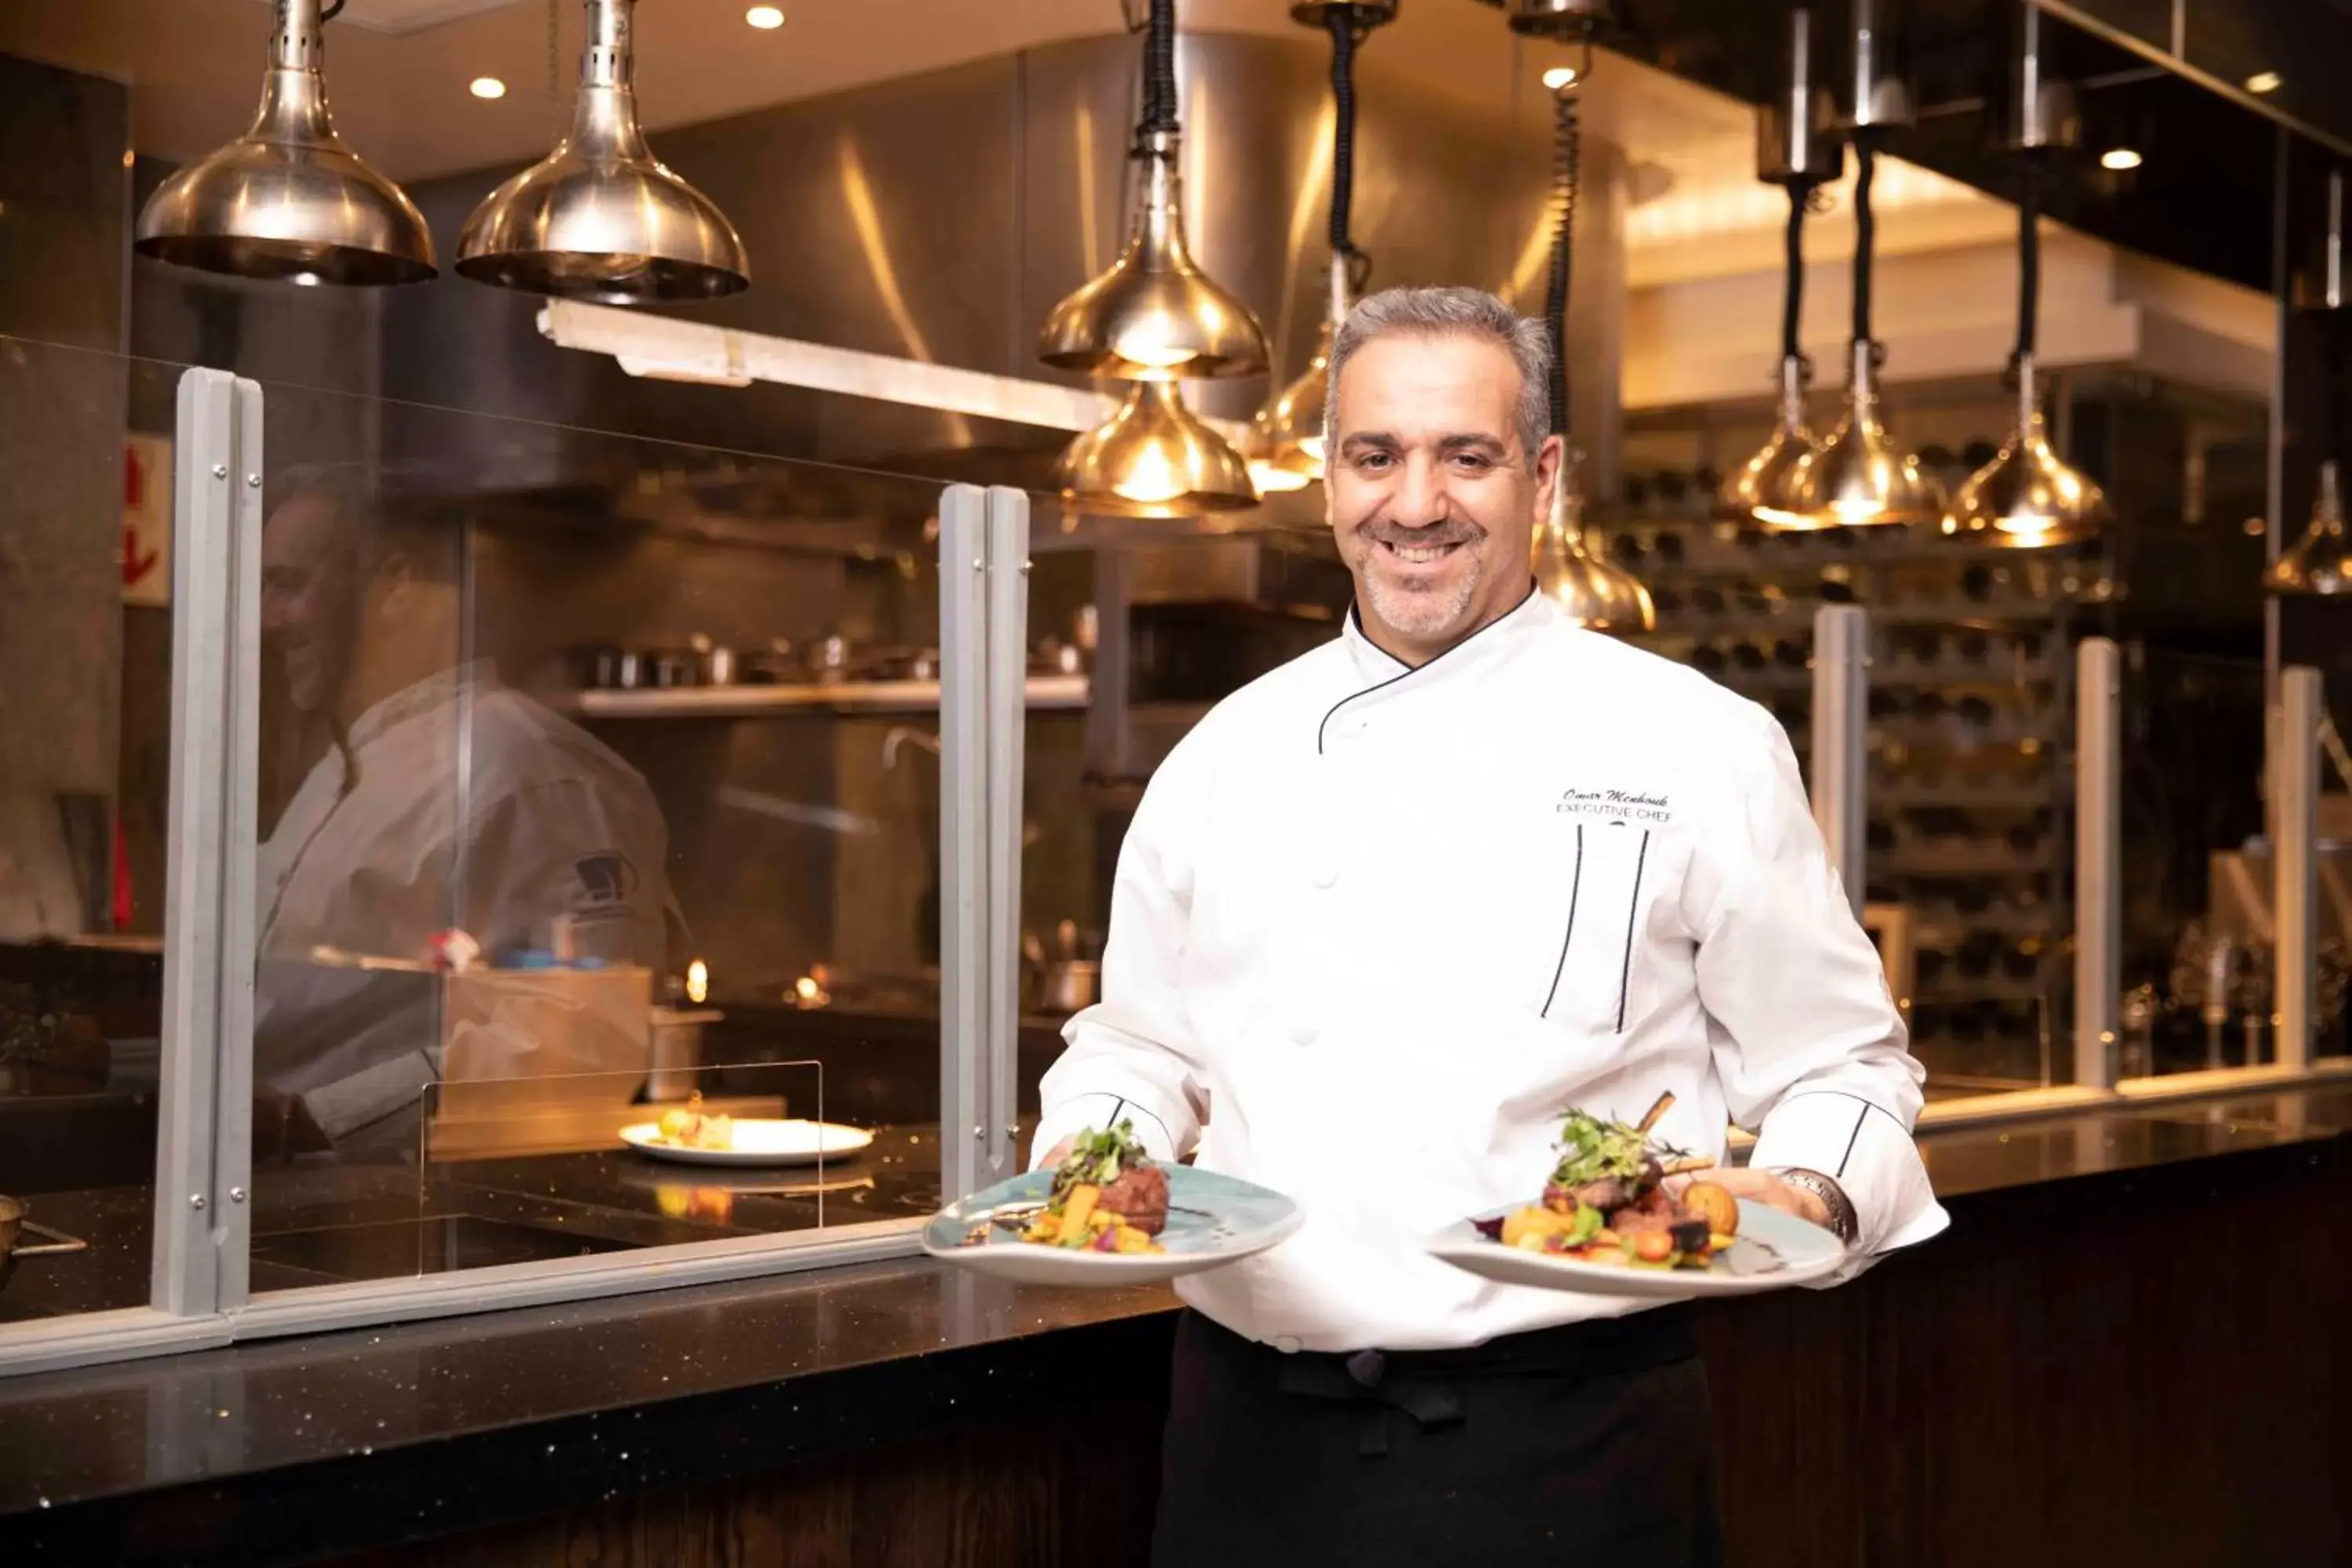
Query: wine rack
x,y
1970,740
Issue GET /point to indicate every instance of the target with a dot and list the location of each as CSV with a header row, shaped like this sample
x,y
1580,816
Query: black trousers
x,y
1589,1443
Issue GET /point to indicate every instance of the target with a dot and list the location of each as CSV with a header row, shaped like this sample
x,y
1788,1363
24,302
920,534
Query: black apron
x,y
1588,1444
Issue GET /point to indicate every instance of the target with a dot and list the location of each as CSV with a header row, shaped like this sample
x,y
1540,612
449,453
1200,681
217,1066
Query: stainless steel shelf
x,y
1044,692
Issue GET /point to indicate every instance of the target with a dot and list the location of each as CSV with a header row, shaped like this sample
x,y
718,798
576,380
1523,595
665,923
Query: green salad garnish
x,y
1097,1159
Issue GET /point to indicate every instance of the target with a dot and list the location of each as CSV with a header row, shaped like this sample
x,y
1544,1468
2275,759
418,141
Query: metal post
x,y
963,828
2294,780
2098,859
185,1275
1005,725
1840,733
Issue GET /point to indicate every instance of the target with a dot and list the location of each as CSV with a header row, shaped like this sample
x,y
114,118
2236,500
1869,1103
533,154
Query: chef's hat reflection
x,y
432,799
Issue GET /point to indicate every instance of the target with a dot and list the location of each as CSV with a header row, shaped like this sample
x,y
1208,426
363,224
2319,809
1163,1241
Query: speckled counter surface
x,y
282,1450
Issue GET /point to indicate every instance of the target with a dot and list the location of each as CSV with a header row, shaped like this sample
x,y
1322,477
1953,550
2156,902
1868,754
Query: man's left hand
x,y
1757,1186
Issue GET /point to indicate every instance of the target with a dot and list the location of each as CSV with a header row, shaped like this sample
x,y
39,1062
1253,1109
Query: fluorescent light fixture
x,y
487,86
2120,159
767,18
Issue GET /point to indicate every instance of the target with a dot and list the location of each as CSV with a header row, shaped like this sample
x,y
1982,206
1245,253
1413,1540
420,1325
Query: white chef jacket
x,y
1375,926
465,806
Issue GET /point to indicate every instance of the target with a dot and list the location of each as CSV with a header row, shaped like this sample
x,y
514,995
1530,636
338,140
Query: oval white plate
x,y
1772,1250
759,1140
1213,1220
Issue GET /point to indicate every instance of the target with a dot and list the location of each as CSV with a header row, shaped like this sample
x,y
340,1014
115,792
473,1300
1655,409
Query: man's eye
x,y
1472,461
1373,462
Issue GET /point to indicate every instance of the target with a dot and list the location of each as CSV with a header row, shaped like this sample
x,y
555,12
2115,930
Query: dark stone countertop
x,y
264,1451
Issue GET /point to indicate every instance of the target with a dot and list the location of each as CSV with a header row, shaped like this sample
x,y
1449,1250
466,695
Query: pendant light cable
x,y
1159,70
1344,39
1865,232
1566,153
1792,293
2029,265
331,11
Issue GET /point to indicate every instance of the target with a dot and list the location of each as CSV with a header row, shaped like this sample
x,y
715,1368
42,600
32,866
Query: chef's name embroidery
x,y
1615,805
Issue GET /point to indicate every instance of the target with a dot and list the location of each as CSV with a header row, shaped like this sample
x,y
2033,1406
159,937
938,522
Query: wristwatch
x,y
1842,1221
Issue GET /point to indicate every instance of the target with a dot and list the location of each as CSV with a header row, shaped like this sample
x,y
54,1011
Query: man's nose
x,y
1420,497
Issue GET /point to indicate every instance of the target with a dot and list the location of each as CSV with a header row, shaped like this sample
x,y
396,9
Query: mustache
x,y
1455,530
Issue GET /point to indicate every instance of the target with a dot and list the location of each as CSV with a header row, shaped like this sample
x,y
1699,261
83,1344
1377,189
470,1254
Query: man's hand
x,y
1056,1155
1757,1186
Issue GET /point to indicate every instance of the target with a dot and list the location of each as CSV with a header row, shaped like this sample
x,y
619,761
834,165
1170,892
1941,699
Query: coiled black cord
x,y
1792,299
1567,152
1343,126
2028,262
1160,69
331,11
1865,232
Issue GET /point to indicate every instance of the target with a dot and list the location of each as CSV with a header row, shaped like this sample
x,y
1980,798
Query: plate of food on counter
x,y
1608,1223
1108,1214
692,1136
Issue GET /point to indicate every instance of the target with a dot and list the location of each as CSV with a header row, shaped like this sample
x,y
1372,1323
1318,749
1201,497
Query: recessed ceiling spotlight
x,y
487,86
2120,159
765,18
2265,81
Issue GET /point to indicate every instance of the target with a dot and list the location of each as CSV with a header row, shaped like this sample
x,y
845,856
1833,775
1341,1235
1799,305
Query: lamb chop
x,y
1132,1186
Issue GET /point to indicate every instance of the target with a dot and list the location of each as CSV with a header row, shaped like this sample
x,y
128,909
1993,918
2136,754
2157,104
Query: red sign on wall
x,y
147,519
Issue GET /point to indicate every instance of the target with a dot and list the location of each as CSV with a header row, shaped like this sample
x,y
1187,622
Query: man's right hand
x,y
1056,1155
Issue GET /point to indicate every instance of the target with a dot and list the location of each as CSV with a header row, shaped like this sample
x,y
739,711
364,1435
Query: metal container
x,y
1067,985
669,668
716,664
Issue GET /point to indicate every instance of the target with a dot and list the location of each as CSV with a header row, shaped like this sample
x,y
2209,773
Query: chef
x,y
1380,919
442,800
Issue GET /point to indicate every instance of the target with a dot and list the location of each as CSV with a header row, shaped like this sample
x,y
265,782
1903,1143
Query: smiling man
x,y
1386,914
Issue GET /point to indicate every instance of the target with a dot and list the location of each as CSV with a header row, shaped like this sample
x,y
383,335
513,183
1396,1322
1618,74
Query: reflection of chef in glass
x,y
446,802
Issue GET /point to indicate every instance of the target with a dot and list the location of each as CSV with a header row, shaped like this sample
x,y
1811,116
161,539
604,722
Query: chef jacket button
x,y
1327,876
1288,1345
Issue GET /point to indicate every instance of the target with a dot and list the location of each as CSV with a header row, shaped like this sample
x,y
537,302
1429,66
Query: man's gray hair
x,y
1450,313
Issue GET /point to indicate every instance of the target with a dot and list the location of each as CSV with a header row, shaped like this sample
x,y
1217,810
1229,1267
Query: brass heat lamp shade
x,y
1593,592
1859,477
1763,489
1154,315
2027,497
1153,457
2318,562
288,200
601,217
1285,444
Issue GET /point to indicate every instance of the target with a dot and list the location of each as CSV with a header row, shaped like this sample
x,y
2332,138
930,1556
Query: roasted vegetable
x,y
1716,1204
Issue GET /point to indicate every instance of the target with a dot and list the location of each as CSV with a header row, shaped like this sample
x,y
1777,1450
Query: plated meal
x,y
1606,1202
1109,1196
1606,1224
1108,1214
690,1135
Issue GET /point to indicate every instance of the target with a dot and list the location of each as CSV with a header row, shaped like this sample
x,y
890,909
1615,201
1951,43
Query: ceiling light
x,y
2264,82
288,197
487,86
1794,150
2120,158
767,18
1154,458
601,217
1560,77
2318,563
1588,590
2027,496
1154,314
1285,439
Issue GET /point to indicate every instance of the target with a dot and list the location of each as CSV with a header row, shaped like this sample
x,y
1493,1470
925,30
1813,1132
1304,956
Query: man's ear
x,y
1548,460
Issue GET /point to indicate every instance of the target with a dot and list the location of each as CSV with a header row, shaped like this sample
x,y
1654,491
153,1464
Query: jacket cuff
x,y
1869,1152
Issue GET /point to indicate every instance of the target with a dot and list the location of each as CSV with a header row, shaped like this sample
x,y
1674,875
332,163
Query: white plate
x,y
1213,1220
1772,1250
758,1140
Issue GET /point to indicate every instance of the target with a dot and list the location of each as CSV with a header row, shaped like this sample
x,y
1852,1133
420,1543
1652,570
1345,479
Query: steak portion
x,y
1139,1197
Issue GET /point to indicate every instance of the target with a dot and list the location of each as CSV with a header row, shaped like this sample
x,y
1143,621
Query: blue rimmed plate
x,y
1772,1251
1213,1220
